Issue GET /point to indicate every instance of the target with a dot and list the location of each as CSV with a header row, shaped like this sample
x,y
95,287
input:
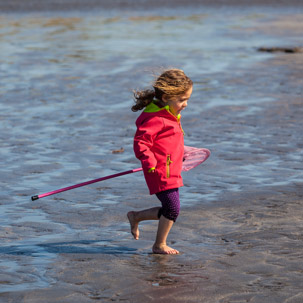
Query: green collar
x,y
154,108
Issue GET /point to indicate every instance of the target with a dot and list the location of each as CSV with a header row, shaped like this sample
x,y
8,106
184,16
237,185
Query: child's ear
x,y
164,98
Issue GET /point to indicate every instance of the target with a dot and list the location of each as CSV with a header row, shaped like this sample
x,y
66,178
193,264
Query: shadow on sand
x,y
73,247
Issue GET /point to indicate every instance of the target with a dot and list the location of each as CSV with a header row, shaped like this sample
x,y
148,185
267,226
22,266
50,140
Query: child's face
x,y
177,103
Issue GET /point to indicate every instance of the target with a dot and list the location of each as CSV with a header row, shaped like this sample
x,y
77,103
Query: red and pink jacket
x,y
159,143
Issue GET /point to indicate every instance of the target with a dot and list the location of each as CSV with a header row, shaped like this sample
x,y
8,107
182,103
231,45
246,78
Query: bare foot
x,y
133,224
164,250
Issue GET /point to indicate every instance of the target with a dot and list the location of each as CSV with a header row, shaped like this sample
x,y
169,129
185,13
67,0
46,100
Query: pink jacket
x,y
159,143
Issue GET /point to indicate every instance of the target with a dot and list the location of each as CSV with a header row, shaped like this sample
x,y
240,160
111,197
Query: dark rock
x,y
281,49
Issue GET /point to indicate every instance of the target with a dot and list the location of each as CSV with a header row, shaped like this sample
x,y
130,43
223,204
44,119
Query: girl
x,y
159,144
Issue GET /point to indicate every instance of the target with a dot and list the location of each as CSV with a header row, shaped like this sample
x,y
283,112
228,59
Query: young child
x,y
159,144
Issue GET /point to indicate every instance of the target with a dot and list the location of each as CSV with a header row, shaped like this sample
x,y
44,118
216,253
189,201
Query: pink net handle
x,y
194,156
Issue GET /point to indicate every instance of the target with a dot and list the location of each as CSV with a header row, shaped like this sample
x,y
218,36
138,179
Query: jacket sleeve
x,y
144,140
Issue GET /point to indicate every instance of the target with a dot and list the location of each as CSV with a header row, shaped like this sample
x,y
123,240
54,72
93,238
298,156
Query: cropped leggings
x,y
170,204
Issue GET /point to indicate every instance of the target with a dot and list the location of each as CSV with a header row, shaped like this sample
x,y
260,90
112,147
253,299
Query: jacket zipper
x,y
168,163
182,129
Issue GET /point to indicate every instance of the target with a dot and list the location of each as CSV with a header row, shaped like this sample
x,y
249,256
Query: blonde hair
x,y
171,82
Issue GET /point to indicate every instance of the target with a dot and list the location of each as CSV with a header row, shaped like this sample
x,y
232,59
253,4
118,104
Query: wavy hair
x,y
172,82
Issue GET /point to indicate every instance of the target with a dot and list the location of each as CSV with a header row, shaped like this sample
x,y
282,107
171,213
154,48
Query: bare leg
x,y
160,246
135,217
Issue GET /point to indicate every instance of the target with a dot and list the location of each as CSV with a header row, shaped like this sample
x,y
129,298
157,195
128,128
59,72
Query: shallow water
x,y
66,85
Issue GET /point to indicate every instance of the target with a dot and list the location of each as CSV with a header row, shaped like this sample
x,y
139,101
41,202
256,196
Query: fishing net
x,y
193,157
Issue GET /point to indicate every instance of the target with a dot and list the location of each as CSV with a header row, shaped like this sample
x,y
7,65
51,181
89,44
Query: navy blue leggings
x,y
170,203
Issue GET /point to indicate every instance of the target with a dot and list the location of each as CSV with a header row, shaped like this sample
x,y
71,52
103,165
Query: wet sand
x,y
240,229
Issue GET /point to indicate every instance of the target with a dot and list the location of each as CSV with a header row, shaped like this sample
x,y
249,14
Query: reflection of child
x,y
159,144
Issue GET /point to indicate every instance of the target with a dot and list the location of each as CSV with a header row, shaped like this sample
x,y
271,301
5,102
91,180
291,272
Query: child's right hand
x,y
152,170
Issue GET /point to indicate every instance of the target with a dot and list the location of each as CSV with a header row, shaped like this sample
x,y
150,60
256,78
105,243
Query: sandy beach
x,y
240,227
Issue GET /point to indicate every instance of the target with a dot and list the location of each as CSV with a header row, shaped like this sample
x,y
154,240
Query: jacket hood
x,y
153,109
